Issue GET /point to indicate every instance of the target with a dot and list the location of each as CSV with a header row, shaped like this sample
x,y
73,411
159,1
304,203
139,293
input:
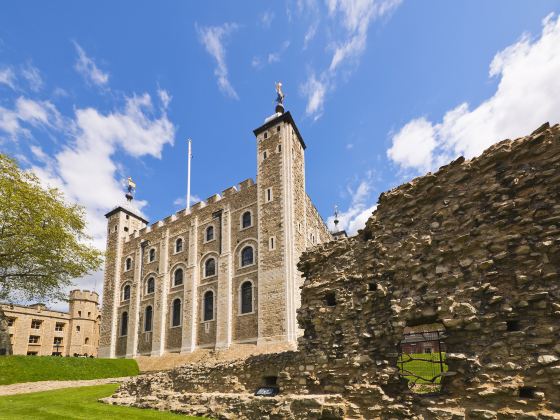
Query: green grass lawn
x,y
75,403
425,369
17,369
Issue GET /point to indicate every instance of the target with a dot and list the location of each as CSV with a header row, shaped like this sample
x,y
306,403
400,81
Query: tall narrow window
x,y
176,313
246,220
246,256
126,292
152,256
148,319
178,277
179,245
150,286
271,244
246,297
128,264
268,195
210,267
208,306
209,233
124,323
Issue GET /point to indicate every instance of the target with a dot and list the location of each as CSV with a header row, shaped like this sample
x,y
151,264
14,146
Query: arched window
x,y
179,245
209,305
126,292
86,341
246,220
124,323
128,264
150,286
148,319
152,255
209,233
178,277
210,267
176,313
246,297
246,256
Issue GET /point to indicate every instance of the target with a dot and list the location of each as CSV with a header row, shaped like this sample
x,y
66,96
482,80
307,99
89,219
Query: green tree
x,y
43,244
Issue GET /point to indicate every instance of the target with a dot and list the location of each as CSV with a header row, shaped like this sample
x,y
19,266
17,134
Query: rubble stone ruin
x,y
474,247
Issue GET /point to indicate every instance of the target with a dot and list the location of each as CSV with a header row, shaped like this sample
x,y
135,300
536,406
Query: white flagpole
x,y
189,176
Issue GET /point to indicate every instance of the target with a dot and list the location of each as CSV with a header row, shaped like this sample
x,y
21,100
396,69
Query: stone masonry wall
x,y
474,247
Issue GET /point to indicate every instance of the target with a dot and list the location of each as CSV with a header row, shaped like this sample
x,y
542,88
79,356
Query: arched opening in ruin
x,y
421,358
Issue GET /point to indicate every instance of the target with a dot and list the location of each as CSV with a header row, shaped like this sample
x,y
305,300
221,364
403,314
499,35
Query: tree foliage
x,y
43,244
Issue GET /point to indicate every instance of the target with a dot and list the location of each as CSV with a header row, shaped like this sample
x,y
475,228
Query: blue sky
x,y
382,91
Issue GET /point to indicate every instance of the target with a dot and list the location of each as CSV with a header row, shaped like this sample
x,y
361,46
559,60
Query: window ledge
x,y
242,267
247,313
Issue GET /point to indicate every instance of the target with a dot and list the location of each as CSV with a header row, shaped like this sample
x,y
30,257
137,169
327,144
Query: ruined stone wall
x,y
475,247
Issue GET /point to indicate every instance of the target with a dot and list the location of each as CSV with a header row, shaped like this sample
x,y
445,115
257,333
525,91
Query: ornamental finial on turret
x,y
279,98
336,219
130,188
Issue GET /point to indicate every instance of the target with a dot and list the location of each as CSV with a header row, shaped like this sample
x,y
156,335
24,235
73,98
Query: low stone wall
x,y
474,247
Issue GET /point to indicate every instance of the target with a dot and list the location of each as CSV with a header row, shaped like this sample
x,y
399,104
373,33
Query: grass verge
x,y
75,403
18,369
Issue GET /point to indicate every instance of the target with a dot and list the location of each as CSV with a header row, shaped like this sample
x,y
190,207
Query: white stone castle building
x,y
223,271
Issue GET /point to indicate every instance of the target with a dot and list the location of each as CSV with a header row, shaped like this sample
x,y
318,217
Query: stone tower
x,y
84,322
281,205
221,273
121,222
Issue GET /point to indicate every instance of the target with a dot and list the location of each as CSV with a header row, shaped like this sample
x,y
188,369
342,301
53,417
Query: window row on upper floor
x,y
246,259
246,221
246,299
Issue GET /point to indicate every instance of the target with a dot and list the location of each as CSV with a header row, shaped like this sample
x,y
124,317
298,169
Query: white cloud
x,y
87,160
310,34
88,69
182,201
33,77
275,56
31,112
315,91
213,39
266,19
164,97
527,95
420,133
256,63
356,216
8,77
352,19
